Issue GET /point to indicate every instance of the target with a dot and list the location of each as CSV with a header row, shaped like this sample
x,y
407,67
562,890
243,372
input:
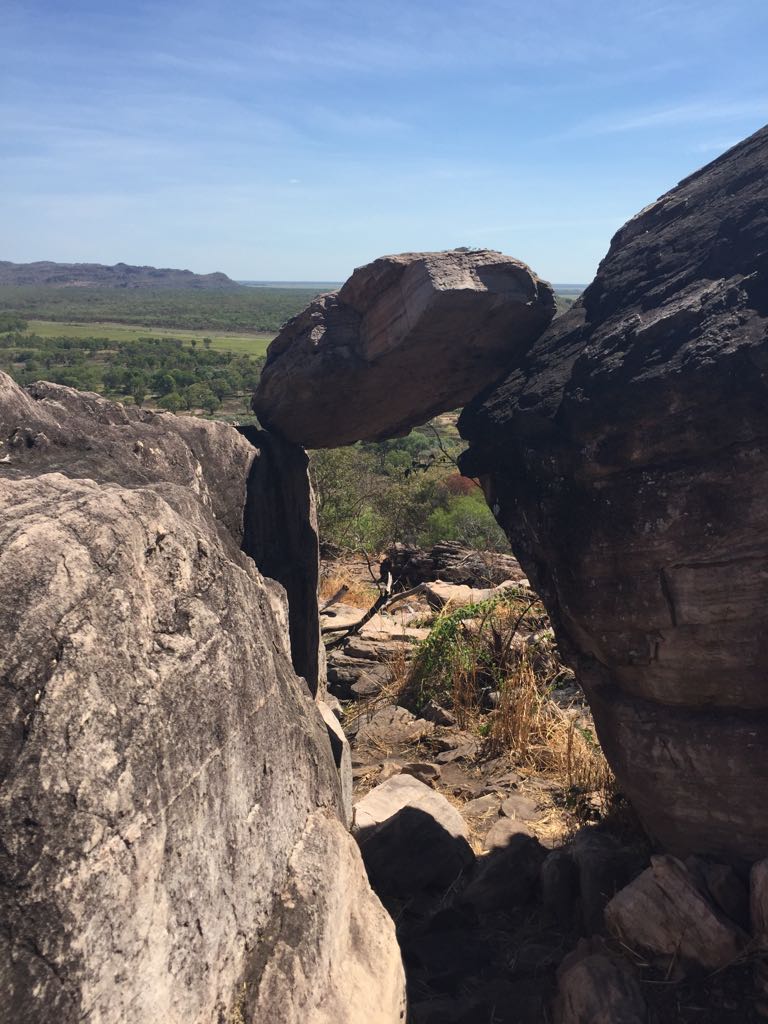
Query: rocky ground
x,y
497,862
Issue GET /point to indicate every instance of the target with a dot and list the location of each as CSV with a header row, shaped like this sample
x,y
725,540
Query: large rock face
x,y
626,460
169,804
406,337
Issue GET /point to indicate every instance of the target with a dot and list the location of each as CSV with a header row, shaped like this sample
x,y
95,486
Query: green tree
x,y
200,396
173,402
165,384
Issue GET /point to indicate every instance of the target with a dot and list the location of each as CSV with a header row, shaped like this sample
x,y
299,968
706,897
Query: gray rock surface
x,y
331,955
391,727
161,764
405,338
625,459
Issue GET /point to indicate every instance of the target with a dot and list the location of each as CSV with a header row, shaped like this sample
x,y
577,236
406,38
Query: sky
x,y
295,141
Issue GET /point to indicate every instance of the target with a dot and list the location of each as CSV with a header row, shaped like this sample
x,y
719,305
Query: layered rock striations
x,y
405,338
171,842
626,459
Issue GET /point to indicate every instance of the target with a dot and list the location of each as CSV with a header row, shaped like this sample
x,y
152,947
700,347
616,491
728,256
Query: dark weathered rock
x,y
452,563
405,338
597,988
663,912
758,903
424,771
506,877
280,534
163,771
725,887
433,712
758,907
625,457
604,867
560,885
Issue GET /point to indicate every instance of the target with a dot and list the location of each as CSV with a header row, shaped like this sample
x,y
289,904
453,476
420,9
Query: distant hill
x,y
121,275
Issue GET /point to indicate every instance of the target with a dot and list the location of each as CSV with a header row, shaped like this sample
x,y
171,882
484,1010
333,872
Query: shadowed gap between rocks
x,y
280,535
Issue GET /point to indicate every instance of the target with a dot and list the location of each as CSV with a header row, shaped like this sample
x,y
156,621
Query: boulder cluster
x,y
175,789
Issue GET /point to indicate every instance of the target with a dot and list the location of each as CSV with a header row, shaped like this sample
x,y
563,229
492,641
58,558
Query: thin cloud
x,y
689,113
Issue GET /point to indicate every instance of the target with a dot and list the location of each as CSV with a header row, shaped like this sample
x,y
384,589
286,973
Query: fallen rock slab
x,y
392,726
454,595
411,838
664,913
405,338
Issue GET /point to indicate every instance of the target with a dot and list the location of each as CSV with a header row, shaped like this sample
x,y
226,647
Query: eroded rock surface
x,y
625,458
405,338
165,776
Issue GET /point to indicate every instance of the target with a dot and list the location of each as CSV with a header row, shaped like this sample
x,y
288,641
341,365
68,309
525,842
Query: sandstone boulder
x,y
405,338
625,459
663,912
164,774
411,838
595,987
328,942
455,595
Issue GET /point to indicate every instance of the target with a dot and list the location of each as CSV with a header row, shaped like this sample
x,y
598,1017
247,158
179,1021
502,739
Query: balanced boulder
x,y
405,338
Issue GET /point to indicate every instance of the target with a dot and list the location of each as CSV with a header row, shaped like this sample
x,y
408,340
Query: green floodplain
x,y
179,350
252,344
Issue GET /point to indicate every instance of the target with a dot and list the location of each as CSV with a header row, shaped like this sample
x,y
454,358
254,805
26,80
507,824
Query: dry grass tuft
x,y
358,593
502,652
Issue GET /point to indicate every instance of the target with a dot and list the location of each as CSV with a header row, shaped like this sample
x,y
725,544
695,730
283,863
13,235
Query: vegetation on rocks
x,y
495,665
373,494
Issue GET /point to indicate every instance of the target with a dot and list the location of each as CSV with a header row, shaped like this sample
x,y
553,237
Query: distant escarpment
x,y
121,275
173,842
625,456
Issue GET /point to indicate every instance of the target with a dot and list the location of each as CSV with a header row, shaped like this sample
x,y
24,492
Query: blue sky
x,y
298,140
